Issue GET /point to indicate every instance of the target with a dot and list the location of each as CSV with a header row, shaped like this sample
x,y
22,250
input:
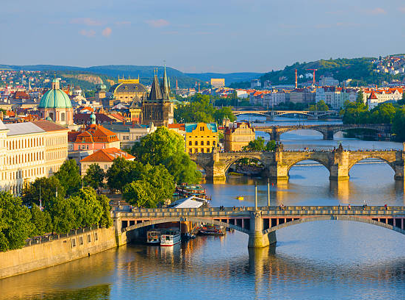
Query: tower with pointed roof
x,y
158,107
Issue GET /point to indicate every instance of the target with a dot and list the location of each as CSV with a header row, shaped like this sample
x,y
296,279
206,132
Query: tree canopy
x,y
259,145
69,177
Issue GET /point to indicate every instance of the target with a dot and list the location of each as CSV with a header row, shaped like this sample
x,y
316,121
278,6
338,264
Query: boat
x,y
240,198
153,237
170,238
212,230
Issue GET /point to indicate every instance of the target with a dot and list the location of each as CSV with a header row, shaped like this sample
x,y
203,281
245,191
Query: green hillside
x,y
360,70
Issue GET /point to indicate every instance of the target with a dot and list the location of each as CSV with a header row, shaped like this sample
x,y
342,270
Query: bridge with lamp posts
x,y
277,164
328,131
260,223
270,114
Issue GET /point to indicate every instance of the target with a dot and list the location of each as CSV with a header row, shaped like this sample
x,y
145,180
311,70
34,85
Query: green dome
x,y
55,98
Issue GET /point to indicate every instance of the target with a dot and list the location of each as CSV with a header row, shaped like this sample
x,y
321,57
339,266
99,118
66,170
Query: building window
x,y
190,143
196,143
201,128
73,243
208,143
213,143
202,150
89,238
81,240
202,143
62,117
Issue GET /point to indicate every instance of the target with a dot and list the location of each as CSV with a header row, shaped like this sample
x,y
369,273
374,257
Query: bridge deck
x,y
272,211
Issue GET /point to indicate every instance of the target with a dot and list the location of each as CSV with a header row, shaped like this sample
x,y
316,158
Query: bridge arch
x,y
183,219
389,162
303,128
253,113
367,127
323,162
334,218
230,162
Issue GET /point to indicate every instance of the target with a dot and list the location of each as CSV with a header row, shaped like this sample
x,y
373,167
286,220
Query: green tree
x,y
44,188
94,177
15,222
69,177
123,172
157,147
91,208
105,219
320,106
255,145
183,169
224,113
161,181
42,221
63,215
398,123
271,145
140,193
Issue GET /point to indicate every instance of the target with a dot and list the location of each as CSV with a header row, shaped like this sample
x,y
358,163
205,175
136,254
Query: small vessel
x,y
170,238
153,237
212,230
240,198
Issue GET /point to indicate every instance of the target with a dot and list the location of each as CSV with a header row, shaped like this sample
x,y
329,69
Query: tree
x,y
161,181
157,147
45,188
360,98
183,169
224,113
105,220
271,145
42,221
63,215
91,208
320,106
398,123
15,222
140,193
69,177
255,145
94,177
123,172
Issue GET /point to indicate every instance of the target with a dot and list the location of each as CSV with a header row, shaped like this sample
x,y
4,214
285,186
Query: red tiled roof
x,y
107,155
49,126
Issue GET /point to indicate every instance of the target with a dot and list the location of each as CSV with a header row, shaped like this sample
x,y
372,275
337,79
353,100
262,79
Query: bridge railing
x,y
266,211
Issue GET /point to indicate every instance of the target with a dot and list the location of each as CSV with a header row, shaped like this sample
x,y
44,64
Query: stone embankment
x,y
47,254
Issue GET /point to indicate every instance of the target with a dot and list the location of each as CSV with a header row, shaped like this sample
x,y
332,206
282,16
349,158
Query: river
x,y
318,260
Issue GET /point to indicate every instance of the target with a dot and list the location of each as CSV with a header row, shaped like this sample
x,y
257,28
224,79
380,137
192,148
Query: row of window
x,y
56,141
80,239
56,155
25,143
24,158
208,143
199,150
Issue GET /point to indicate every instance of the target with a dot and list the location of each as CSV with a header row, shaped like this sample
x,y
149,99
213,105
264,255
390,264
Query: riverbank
x,y
55,252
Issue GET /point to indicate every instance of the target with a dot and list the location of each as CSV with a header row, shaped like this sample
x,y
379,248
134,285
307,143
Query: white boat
x,y
170,238
153,237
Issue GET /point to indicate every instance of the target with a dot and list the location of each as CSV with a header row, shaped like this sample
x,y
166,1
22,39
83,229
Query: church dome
x,y
55,98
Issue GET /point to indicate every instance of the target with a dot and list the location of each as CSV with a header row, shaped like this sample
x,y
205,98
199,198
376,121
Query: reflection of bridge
x,y
277,164
270,114
260,224
328,131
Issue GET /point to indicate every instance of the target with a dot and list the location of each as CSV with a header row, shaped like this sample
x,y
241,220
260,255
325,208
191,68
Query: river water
x,y
318,260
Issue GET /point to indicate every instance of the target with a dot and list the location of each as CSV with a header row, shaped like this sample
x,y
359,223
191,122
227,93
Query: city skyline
x,y
220,36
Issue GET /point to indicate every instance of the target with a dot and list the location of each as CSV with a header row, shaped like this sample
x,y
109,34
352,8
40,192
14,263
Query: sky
x,y
198,36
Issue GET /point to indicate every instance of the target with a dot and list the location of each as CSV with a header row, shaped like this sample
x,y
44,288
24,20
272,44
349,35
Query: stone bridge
x,y
259,223
328,131
277,164
270,114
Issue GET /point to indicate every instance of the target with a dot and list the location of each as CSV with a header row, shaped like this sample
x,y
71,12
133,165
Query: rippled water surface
x,y
318,260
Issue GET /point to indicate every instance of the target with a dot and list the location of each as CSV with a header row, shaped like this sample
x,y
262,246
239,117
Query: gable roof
x,y
49,126
107,155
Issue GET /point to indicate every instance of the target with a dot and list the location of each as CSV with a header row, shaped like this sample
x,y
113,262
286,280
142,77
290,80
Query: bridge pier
x,y
256,237
328,135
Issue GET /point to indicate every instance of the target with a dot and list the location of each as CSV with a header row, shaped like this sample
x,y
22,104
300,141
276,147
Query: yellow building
x,y
201,137
217,82
238,135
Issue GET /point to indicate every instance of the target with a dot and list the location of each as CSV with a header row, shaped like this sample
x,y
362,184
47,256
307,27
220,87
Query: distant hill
x,y
360,70
229,77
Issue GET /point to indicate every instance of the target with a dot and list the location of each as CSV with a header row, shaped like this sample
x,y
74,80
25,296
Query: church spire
x,y
166,87
155,92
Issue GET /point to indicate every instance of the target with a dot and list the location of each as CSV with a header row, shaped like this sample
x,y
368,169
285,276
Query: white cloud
x,y
402,9
375,11
157,23
107,32
88,33
86,21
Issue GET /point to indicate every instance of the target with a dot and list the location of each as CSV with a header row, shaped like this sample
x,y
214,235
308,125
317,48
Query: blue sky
x,y
198,36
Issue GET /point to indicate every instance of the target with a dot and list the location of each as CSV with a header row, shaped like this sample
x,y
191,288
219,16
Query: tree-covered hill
x,y
359,70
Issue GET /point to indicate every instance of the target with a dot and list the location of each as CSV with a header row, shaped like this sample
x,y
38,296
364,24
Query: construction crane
x,y
314,74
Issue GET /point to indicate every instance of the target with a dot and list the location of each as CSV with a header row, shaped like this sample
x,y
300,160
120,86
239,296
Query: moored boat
x,y
153,237
170,238
212,230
